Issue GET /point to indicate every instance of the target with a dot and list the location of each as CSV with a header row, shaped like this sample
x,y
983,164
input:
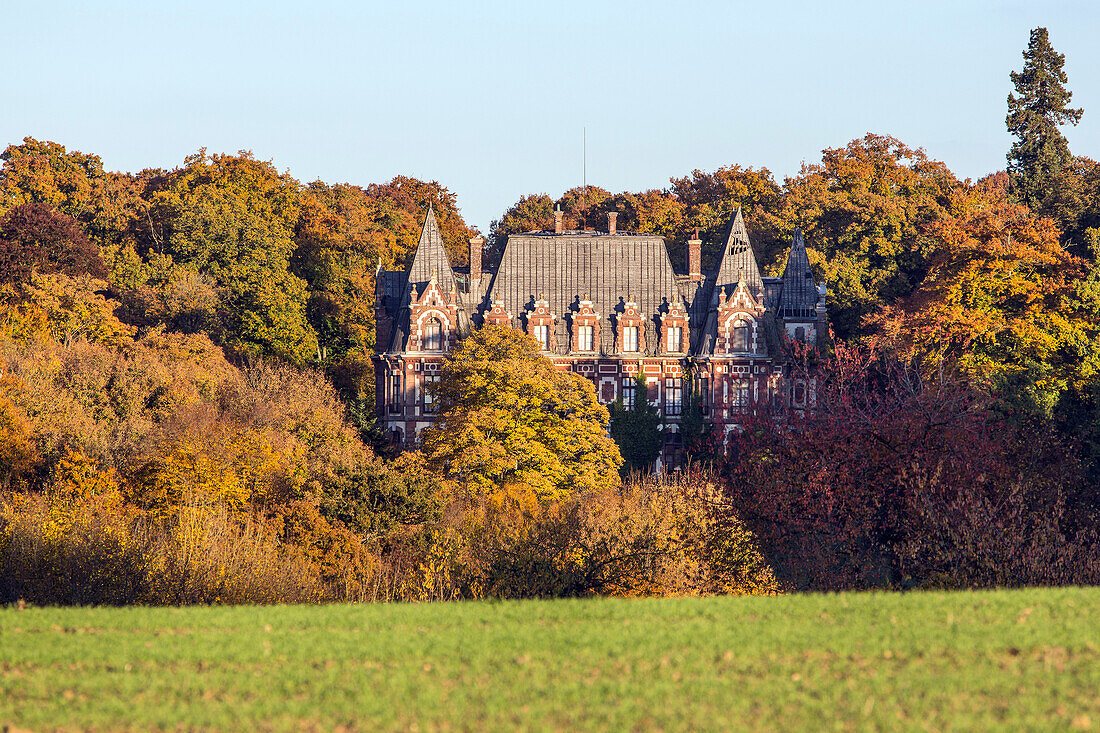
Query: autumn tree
x,y
109,206
898,480
865,212
1039,160
710,200
34,238
511,424
407,200
1002,301
232,217
534,213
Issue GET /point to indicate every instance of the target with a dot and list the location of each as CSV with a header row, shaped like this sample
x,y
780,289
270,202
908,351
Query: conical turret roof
x,y
799,297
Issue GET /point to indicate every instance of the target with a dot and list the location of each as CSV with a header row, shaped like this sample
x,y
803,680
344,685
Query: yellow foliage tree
x,y
512,424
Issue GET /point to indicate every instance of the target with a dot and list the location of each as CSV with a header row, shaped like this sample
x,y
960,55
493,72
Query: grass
x,y
1019,660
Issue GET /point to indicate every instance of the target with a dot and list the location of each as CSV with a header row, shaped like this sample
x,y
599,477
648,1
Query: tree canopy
x,y
509,420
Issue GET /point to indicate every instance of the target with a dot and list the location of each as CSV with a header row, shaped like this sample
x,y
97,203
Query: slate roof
x,y
567,268
798,298
609,270
431,256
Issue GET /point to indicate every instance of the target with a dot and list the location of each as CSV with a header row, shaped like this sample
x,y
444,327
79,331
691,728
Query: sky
x,y
493,99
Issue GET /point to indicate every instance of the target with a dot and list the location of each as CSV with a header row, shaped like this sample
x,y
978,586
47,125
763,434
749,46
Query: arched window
x,y
741,337
433,335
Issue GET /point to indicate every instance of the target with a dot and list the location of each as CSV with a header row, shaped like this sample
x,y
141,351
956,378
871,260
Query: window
x,y
584,338
629,390
630,338
702,393
741,394
542,335
799,394
800,333
740,337
674,396
395,392
429,384
674,451
675,334
433,335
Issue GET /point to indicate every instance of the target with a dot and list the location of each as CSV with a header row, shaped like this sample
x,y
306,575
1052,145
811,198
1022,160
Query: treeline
x,y
186,392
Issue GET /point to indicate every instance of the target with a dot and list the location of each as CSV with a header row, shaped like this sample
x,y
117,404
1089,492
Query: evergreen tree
x,y
696,435
1039,161
637,429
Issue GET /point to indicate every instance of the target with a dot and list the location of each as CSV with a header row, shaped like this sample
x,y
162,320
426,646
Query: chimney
x,y
557,219
695,257
476,246
611,217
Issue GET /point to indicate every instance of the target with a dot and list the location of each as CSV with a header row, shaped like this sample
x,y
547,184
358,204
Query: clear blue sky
x,y
490,98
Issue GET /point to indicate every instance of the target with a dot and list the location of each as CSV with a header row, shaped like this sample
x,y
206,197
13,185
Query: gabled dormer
x,y
675,329
497,315
433,318
585,323
630,330
541,324
740,322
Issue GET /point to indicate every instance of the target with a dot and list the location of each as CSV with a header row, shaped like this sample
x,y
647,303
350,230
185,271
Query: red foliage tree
x,y
34,238
899,481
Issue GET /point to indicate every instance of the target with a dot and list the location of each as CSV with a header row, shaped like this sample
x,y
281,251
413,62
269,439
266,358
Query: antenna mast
x,y
584,159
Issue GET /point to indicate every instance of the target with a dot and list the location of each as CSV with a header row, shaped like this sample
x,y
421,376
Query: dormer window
x,y
433,335
585,338
630,338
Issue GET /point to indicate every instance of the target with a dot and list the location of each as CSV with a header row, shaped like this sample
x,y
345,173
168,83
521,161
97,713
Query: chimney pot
x,y
557,219
611,219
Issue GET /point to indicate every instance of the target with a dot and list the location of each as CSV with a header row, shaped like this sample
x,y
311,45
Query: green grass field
x,y
1014,660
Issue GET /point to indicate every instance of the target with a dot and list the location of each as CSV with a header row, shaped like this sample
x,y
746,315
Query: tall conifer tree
x,y
1039,160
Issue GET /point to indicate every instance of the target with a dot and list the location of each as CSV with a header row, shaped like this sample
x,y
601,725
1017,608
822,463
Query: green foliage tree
x,y
1039,160
530,213
696,435
637,429
233,218
511,423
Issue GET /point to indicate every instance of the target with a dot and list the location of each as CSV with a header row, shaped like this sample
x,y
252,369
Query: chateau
x,y
607,305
